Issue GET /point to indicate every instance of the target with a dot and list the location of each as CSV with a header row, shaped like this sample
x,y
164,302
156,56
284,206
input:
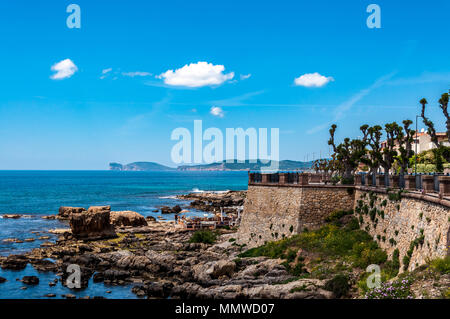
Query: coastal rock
x,y
30,280
12,216
157,289
163,260
43,265
115,276
65,212
15,262
127,218
229,201
50,217
133,262
171,210
2,280
223,268
92,225
204,272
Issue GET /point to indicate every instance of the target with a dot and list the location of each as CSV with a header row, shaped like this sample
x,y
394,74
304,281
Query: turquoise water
x,y
39,193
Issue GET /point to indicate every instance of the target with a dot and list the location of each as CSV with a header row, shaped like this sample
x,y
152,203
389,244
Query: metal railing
x,y
420,182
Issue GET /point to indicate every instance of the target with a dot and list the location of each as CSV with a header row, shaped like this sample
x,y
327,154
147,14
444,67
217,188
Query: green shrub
x,y
336,215
392,267
367,253
441,264
353,224
339,285
203,236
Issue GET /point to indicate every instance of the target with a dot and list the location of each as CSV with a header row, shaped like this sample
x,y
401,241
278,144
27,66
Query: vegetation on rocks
x,y
204,236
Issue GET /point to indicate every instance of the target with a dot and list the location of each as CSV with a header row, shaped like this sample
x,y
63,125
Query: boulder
x,y
2,280
166,210
12,216
127,218
65,212
223,268
176,209
15,262
30,280
171,210
93,225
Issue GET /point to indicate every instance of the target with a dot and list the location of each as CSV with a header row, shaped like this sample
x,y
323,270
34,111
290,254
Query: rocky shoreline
x,y
160,259
157,257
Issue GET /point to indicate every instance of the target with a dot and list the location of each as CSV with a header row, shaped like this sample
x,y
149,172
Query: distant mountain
x,y
285,165
140,166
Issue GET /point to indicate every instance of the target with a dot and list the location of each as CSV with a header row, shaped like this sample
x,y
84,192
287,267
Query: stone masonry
x,y
397,222
274,212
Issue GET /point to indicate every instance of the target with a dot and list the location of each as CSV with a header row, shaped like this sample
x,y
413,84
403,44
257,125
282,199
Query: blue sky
x,y
90,119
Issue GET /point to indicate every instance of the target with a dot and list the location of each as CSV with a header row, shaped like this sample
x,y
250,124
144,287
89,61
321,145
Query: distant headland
x,y
218,166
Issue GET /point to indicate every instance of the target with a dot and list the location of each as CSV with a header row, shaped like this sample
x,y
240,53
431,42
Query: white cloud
x,y
137,73
106,70
245,76
64,69
217,111
196,75
312,80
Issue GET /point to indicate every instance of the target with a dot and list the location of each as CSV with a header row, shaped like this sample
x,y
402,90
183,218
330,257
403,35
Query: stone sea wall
x,y
418,228
274,212
416,225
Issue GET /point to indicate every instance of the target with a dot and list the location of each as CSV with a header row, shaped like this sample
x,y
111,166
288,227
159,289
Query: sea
x,y
35,194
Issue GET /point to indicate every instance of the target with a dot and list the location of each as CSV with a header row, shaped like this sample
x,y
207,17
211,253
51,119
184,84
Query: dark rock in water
x,y
127,218
151,218
69,296
12,216
50,295
65,212
30,280
51,284
176,209
43,265
116,275
50,217
98,277
2,280
15,262
168,210
93,224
